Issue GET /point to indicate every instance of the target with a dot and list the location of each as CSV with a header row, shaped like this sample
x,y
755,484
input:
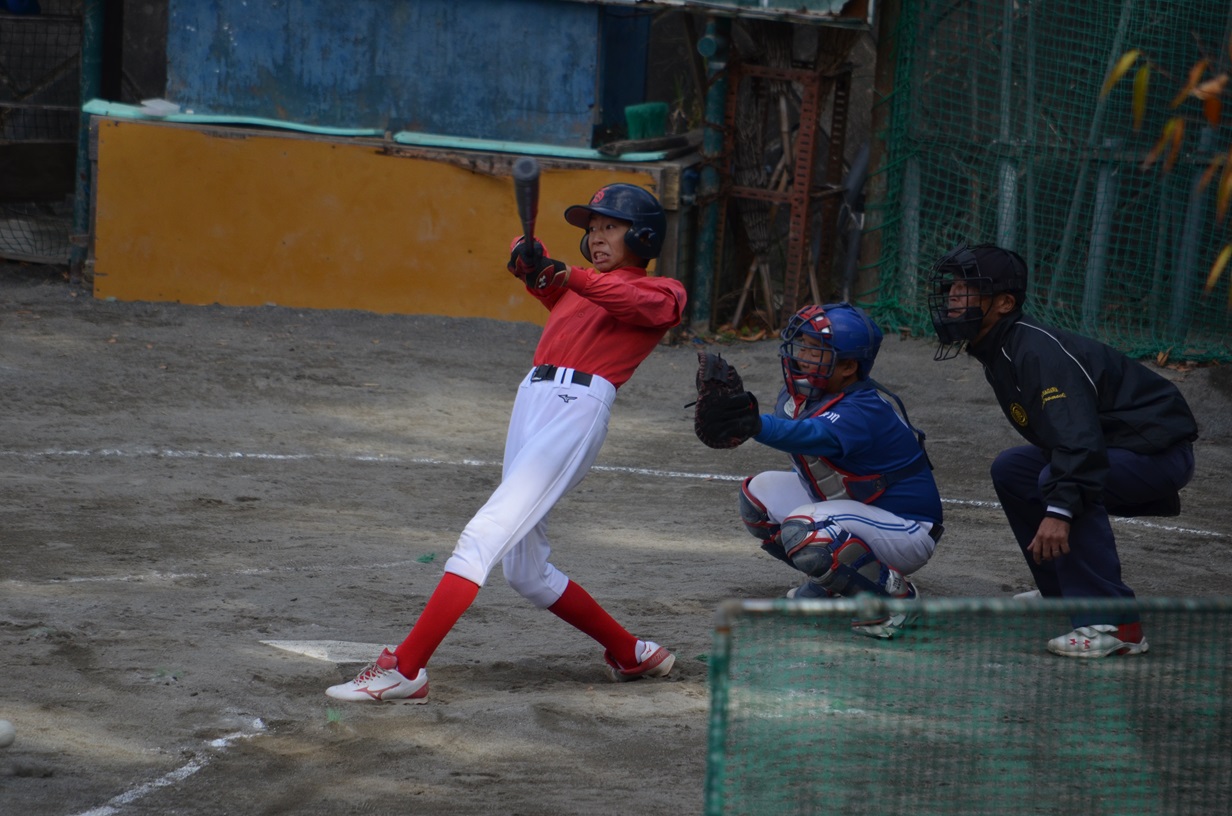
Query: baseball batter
x,y
604,320
859,510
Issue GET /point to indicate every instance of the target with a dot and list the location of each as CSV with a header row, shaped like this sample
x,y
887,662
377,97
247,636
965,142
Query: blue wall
x,y
520,70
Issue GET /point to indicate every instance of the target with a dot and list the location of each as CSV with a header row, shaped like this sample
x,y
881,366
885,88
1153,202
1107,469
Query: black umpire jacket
x,y
1075,397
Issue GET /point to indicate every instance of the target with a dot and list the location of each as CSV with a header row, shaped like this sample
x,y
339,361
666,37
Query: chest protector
x,y
830,482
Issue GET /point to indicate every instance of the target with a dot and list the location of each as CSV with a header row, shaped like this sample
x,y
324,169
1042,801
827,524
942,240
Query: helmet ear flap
x,y
586,247
641,241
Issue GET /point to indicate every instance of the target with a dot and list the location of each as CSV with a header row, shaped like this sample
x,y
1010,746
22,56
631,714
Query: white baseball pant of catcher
x,y
555,433
897,542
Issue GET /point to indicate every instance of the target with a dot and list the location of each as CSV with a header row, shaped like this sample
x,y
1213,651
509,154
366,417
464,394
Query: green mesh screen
x,y
967,712
997,133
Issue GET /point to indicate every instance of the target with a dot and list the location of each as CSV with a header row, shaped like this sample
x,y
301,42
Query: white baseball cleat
x,y
1100,640
808,590
382,681
653,661
894,624
1029,595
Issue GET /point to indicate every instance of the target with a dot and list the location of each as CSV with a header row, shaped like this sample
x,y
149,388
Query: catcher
x,y
859,510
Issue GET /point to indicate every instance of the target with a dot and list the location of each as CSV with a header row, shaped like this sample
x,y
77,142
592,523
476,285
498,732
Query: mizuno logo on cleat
x,y
377,694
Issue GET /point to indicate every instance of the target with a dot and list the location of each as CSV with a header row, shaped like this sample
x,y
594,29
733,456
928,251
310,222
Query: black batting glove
x,y
550,274
524,260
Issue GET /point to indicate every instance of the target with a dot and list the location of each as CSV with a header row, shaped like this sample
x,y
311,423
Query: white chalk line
x,y
174,453
198,762
156,576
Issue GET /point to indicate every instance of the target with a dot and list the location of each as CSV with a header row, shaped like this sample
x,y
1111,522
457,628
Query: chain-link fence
x,y
997,132
967,712
40,64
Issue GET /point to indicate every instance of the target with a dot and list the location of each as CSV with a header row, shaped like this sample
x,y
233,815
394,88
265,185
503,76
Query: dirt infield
x,y
180,485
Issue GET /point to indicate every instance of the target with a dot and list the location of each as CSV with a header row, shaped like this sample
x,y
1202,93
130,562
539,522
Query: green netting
x,y
997,132
967,712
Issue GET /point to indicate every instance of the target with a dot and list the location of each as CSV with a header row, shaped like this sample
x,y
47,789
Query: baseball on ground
x,y
7,733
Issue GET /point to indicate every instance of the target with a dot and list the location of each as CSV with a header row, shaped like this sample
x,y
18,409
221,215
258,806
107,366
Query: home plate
x,y
335,651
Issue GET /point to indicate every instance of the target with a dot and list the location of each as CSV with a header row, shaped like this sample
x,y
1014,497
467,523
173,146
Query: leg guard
x,y
836,559
757,520
754,515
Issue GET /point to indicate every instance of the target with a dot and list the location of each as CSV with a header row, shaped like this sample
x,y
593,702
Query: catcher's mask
x,y
985,270
624,202
817,337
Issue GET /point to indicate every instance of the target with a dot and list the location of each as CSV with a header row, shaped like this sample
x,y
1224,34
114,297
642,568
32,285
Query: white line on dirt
x,y
173,453
178,775
155,576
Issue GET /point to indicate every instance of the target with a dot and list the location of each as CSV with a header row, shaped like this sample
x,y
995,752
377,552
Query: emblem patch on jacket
x,y
1018,414
1051,394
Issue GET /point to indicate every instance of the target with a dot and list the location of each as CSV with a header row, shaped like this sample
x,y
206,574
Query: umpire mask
x,y
961,286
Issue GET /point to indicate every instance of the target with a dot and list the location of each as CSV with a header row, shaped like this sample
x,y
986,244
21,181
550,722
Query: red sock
x,y
583,612
452,596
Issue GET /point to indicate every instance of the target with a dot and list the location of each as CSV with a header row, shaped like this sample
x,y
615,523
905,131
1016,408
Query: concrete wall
x,y
240,217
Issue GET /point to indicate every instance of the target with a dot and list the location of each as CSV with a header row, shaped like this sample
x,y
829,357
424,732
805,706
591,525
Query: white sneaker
x,y
809,589
1032,595
652,661
889,627
382,681
1100,640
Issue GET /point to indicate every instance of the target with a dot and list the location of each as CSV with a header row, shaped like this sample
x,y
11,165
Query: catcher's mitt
x,y
725,415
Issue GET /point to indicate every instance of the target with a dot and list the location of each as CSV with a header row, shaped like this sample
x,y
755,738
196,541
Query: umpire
x,y
1106,436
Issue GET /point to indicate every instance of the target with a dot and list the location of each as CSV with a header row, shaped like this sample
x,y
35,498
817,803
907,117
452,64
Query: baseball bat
x,y
526,192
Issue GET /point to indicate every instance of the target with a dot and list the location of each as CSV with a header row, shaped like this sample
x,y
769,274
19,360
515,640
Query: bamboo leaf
x,y
1217,268
1165,137
1142,82
1224,193
1195,73
1212,108
1174,150
1214,167
1119,70
1212,87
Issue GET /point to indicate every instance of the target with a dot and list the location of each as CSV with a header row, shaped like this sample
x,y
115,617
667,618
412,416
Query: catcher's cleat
x,y
653,661
381,681
809,589
894,624
1100,640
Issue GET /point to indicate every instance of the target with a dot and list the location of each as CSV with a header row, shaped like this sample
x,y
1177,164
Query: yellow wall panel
x,y
243,218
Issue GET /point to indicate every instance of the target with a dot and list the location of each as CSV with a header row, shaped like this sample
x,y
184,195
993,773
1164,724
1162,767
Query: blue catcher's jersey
x,y
859,434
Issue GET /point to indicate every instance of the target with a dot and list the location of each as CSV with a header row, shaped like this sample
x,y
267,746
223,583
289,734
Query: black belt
x,y
935,532
548,372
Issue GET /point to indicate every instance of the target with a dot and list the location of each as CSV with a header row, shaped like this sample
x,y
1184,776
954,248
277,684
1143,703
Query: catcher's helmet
x,y
987,269
840,328
625,202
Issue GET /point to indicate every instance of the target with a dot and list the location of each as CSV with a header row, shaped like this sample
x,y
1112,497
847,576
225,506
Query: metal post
x,y
712,46
1102,220
1028,104
1084,166
91,81
1185,273
1007,188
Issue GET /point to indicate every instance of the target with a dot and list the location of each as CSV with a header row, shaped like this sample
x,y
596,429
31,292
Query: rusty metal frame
x,y
801,193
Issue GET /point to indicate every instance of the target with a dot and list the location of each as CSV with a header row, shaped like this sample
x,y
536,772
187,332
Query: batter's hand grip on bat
x,y
526,193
